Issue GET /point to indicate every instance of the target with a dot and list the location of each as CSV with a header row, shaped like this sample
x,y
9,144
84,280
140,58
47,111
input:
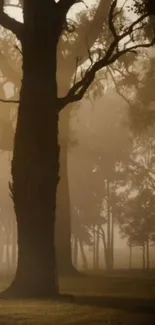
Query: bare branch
x,y
117,88
112,54
111,17
120,10
75,76
10,23
132,49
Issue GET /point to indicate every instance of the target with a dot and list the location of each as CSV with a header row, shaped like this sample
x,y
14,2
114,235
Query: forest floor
x,y
58,313
97,300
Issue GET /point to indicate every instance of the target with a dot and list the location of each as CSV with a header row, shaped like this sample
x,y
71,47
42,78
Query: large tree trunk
x,y
35,164
91,32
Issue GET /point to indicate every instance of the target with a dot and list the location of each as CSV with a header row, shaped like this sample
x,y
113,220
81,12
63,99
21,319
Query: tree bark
x,y
35,164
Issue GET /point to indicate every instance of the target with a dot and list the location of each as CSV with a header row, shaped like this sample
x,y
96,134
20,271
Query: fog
x,y
92,234
99,137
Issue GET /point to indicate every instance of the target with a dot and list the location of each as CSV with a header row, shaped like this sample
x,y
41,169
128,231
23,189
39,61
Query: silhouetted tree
x,y
66,68
63,204
35,164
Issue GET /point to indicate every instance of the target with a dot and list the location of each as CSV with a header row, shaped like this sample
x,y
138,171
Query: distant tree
x,y
81,237
137,221
89,180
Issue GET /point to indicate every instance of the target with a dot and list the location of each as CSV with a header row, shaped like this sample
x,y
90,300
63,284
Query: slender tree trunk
x,y
97,248
108,228
94,248
105,247
84,259
143,256
75,251
112,240
130,256
147,255
35,164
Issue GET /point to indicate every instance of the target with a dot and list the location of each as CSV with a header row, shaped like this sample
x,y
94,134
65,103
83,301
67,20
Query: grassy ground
x,y
97,300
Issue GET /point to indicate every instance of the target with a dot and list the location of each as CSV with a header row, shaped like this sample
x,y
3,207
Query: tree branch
x,y
111,17
10,23
117,88
113,53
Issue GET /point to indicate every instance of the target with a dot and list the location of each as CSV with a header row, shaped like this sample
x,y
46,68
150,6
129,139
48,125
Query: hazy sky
x,y
17,13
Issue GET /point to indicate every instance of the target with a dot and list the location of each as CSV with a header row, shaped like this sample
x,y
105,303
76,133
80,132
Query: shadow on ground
x,y
127,304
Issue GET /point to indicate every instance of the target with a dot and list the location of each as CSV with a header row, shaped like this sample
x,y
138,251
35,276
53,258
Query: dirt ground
x,y
54,313
96,301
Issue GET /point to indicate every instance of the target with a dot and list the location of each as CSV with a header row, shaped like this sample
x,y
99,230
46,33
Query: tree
x,y
139,222
135,207
89,177
80,237
87,29
35,164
